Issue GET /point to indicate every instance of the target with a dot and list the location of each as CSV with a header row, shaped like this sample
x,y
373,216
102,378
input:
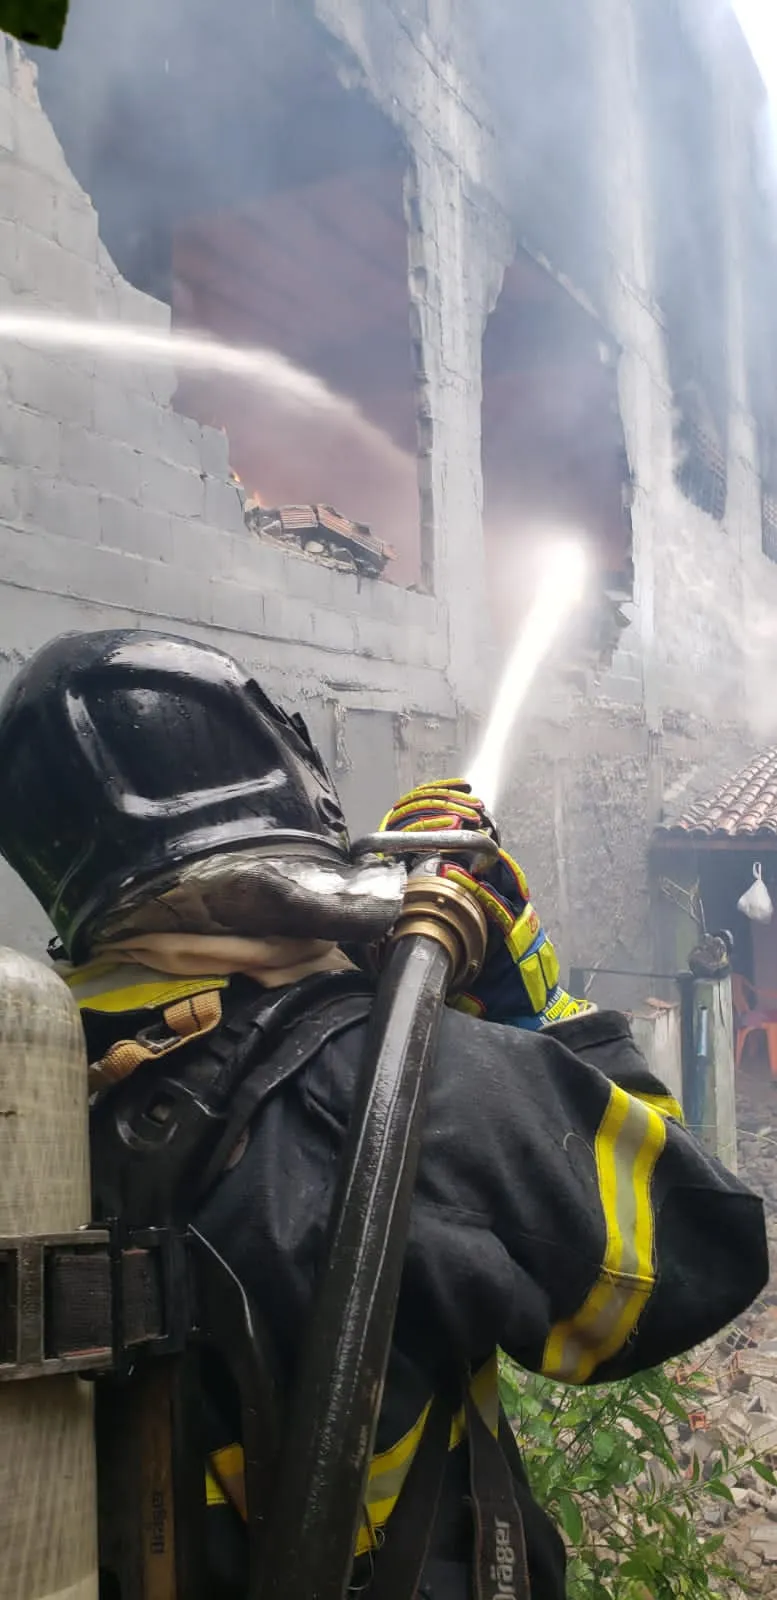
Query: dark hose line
x,y
336,1401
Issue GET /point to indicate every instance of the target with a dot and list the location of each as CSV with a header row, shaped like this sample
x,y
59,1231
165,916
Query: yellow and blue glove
x,y
519,981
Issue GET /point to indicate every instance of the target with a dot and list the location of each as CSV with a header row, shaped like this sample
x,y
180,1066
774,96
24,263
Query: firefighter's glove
x,y
449,804
519,982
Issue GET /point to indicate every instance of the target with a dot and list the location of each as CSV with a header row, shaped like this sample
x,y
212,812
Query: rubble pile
x,y
741,1369
321,534
740,1413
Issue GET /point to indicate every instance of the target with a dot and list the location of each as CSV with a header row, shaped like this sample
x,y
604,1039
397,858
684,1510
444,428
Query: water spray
x,y
561,589
563,580
195,352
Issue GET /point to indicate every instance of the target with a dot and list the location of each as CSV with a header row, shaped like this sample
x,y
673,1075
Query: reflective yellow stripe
x,y
431,823
664,1104
106,987
628,1144
214,1494
388,1470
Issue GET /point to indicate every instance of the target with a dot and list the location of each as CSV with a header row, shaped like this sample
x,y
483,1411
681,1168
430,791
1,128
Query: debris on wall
x,y
322,534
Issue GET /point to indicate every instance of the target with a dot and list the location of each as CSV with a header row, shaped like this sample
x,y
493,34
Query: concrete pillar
x,y
708,1066
630,314
657,1030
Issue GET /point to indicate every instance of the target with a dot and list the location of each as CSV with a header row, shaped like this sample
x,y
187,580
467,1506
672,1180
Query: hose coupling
x,y
436,908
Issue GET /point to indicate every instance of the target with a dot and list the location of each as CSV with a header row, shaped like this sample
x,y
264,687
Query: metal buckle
x,y
24,1344
27,1339
171,1250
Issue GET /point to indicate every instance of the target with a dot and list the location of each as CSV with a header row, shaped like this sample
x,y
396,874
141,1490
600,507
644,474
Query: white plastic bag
x,y
756,902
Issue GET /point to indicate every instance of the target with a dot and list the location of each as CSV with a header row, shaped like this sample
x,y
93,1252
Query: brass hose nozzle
x,y
436,908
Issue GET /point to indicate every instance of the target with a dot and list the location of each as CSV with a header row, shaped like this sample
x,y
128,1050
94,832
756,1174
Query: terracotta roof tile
x,y
746,807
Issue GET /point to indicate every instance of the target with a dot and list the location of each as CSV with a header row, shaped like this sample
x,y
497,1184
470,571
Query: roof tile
x,y
746,806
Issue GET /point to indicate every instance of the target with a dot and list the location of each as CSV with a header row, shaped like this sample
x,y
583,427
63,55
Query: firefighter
x,y
187,843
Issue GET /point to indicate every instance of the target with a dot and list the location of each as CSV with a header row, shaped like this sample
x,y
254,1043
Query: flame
x,y
254,498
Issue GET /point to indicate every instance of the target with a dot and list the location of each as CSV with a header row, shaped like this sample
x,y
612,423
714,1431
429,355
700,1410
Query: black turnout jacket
x,y
562,1213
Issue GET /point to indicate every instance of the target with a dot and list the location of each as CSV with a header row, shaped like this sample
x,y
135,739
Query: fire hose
x,y
437,945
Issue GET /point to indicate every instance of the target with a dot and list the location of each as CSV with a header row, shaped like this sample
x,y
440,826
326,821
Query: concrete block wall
x,y
116,511
416,64
695,577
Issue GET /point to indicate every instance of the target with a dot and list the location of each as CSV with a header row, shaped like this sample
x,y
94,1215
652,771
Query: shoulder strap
x,y
500,1564
164,1133
335,1014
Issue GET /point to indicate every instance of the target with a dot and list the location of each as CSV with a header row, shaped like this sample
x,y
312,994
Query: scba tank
x,y
48,1533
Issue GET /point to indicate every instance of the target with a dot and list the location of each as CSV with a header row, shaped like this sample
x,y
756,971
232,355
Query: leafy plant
x,y
604,1464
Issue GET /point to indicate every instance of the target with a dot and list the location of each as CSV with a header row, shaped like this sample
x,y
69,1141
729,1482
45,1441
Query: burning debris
x,y
322,534
318,532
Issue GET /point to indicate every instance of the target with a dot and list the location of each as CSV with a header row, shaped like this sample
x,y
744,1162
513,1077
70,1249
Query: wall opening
x,y
540,80
238,179
553,450
688,245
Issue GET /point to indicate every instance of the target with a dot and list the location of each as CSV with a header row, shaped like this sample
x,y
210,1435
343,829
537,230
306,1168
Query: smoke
x,y
158,108
237,180
177,111
759,25
538,78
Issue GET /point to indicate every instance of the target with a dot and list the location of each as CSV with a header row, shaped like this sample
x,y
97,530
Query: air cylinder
x,y
48,1503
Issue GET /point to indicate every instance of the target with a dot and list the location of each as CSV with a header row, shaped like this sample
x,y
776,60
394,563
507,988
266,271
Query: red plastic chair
x,y
753,1015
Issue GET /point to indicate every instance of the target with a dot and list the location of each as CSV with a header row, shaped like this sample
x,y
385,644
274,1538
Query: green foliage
x,y
35,21
602,1461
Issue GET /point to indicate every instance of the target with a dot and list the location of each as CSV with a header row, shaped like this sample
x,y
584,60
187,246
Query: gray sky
x,y
759,20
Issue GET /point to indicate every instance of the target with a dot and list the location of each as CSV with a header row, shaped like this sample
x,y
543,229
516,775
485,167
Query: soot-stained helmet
x,y
127,755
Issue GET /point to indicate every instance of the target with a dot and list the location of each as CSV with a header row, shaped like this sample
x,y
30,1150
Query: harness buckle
x,y
90,1301
27,1264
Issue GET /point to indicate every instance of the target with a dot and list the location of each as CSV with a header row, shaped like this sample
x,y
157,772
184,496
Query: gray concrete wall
x,y
689,693
113,508
116,511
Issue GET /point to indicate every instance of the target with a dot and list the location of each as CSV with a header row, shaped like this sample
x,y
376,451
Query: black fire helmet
x,y
125,754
